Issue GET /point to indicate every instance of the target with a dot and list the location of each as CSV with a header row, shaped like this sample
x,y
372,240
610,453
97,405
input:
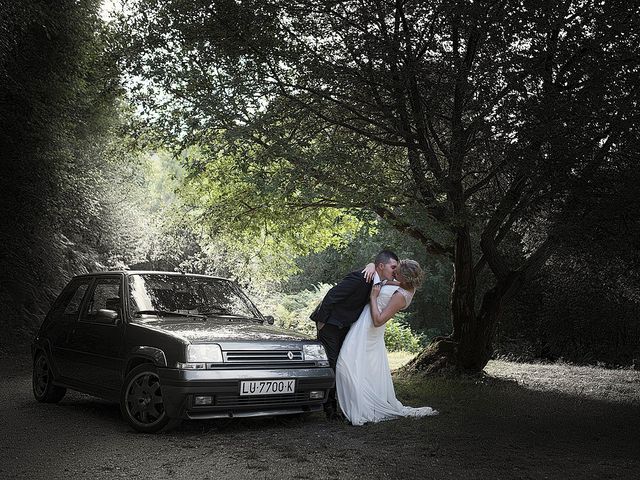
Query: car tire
x,y
141,400
42,381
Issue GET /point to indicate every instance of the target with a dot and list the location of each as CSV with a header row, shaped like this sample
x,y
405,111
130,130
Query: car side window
x,y
106,294
73,307
70,300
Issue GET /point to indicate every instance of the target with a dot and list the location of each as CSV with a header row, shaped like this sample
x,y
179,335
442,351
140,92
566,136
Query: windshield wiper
x,y
233,316
161,313
218,311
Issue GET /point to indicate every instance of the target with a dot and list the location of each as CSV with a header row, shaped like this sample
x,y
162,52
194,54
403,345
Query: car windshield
x,y
186,295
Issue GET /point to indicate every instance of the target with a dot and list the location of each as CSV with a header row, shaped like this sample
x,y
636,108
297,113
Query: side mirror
x,y
269,319
108,317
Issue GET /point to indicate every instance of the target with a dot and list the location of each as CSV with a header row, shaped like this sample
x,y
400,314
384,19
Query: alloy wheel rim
x,y
144,399
41,377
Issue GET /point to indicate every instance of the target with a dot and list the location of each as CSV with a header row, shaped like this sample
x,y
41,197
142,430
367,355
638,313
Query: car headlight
x,y
204,353
199,355
316,352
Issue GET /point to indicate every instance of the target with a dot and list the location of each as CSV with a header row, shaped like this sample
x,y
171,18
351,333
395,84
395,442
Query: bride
x,y
363,378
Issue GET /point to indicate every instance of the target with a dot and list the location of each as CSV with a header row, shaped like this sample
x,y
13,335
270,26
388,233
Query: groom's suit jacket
x,y
343,303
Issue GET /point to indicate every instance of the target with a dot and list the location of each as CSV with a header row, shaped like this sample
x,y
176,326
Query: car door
x,y
96,340
60,324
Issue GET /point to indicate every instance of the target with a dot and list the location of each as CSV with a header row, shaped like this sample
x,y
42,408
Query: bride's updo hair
x,y
411,272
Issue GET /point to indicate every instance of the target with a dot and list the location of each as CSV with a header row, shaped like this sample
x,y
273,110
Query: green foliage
x,y
399,337
331,105
584,305
56,119
292,311
430,306
576,310
471,139
75,195
243,205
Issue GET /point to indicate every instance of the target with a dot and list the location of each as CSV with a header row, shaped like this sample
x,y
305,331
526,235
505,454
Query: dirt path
x,y
492,429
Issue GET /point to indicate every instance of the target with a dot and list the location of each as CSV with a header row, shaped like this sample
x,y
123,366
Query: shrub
x,y
292,311
398,336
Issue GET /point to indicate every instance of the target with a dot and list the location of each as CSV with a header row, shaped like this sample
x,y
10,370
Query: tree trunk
x,y
476,348
464,286
468,353
469,347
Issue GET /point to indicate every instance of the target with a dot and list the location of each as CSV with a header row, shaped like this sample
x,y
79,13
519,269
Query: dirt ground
x,y
521,421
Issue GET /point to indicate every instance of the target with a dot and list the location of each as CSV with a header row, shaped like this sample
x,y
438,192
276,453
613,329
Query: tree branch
x,y
431,245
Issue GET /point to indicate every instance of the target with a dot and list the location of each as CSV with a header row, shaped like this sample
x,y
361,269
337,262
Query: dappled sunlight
x,y
621,385
398,359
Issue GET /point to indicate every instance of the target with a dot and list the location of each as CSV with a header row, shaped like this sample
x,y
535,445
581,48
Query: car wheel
x,y
42,380
141,400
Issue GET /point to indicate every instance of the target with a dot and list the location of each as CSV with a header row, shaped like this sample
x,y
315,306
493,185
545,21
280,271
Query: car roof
x,y
147,272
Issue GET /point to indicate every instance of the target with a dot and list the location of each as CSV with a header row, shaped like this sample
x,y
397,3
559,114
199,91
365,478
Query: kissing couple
x,y
351,321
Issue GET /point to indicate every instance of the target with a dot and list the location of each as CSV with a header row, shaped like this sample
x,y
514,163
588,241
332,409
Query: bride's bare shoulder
x,y
407,294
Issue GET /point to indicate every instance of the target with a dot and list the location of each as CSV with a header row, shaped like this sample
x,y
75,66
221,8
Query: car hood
x,y
219,330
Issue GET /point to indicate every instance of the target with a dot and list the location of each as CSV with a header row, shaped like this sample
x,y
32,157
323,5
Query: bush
x,y
398,336
292,310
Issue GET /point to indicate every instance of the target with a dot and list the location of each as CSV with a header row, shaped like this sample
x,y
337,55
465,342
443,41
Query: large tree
x,y
471,126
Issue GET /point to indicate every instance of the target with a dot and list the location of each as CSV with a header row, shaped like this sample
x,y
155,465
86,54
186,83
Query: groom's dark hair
x,y
384,257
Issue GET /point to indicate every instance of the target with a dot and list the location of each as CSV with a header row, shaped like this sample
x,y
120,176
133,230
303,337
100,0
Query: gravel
x,y
527,421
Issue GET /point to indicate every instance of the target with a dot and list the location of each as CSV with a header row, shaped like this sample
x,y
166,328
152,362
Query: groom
x,y
341,307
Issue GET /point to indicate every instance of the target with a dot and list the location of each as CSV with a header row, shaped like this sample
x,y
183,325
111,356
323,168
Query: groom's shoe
x,y
336,417
339,417
329,412
334,414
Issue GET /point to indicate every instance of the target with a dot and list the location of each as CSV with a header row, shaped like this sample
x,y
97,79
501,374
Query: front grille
x,y
262,356
234,400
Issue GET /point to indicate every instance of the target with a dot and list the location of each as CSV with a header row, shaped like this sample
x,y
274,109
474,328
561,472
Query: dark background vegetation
x,y
83,189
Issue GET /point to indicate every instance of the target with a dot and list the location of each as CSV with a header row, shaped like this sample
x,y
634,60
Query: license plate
x,y
267,387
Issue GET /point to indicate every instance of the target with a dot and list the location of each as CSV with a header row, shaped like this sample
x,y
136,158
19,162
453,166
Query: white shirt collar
x,y
376,278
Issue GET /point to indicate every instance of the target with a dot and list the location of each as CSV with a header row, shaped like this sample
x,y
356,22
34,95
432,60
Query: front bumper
x,y
179,387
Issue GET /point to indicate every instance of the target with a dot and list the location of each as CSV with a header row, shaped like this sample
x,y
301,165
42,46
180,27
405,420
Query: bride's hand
x,y
375,291
369,271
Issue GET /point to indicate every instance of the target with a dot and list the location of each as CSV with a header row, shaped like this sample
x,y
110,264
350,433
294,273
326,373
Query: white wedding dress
x,y
363,377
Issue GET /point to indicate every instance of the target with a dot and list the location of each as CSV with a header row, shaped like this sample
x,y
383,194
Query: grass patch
x,y
539,389
398,359
618,386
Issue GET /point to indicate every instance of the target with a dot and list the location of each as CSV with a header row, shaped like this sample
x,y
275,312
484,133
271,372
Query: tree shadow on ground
x,y
487,421
487,428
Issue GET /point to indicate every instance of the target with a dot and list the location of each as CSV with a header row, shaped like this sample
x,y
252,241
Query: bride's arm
x,y
369,271
396,303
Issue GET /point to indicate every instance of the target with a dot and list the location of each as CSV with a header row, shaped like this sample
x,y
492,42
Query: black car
x,y
173,346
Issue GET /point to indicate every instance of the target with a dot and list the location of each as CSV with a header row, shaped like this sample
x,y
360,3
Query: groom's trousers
x,y
332,338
